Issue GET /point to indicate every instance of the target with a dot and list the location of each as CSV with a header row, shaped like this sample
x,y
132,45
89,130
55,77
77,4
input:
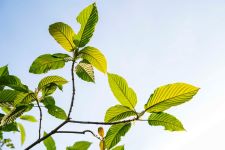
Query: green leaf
x,y
13,114
63,34
115,133
51,79
9,127
88,18
81,145
22,133
7,98
4,70
85,71
119,148
47,62
49,100
170,95
24,98
49,89
118,112
124,94
13,82
49,143
168,121
28,118
56,112
94,57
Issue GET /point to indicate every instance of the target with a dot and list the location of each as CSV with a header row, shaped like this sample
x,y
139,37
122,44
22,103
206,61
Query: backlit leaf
x,y
56,112
118,112
94,57
47,62
51,79
124,94
170,95
28,118
63,34
87,19
115,133
49,143
81,145
85,71
7,97
22,133
4,70
168,121
119,148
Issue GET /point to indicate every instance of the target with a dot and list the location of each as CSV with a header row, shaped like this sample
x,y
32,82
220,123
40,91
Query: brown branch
x,y
81,132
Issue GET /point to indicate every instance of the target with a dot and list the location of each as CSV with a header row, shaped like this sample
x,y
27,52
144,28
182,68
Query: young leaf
x,y
7,97
49,143
81,145
101,131
88,18
115,133
49,89
85,71
170,95
28,118
63,34
56,112
51,79
119,148
13,114
94,57
124,94
168,121
22,132
118,112
47,62
4,70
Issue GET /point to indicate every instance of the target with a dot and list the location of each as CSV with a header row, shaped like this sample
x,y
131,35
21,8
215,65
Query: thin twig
x,y
46,136
81,132
73,86
40,121
103,123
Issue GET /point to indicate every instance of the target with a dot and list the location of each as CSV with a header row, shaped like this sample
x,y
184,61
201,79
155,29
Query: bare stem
x,y
40,121
81,132
73,88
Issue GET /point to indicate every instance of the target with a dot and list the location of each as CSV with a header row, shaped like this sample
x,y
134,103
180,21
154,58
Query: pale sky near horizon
x,y
150,43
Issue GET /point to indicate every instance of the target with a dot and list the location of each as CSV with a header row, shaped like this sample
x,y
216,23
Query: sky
x,y
150,43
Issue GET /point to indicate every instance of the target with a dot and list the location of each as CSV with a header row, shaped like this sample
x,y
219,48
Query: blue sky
x,y
150,43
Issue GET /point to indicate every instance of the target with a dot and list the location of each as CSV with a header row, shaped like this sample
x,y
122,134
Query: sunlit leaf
x,y
49,143
63,34
85,71
7,98
170,95
124,94
119,148
118,112
94,57
87,19
56,112
47,62
13,114
22,133
81,145
28,118
24,98
168,121
51,79
115,133
4,70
